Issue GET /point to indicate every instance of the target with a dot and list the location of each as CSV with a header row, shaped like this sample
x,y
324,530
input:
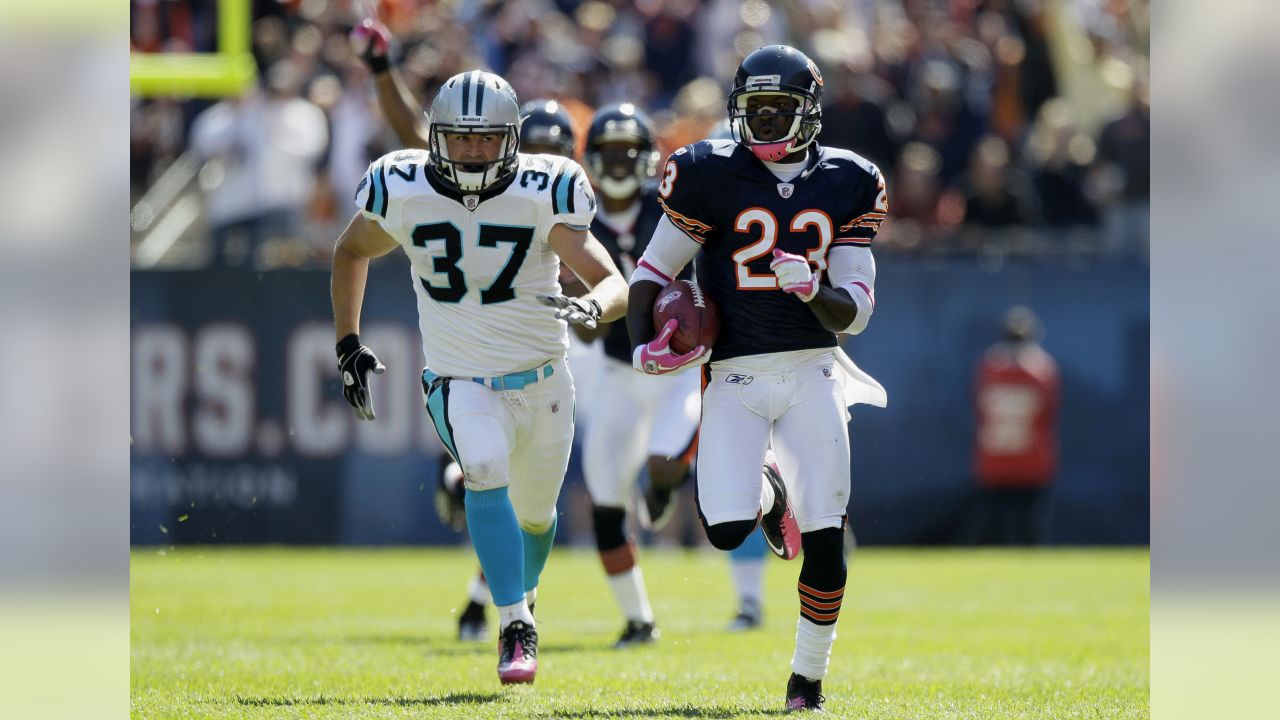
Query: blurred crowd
x,y
1004,127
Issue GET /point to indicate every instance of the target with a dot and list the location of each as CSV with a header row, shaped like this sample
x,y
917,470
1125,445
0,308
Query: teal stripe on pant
x,y
437,408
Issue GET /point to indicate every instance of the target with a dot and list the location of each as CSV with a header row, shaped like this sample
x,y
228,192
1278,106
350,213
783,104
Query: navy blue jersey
x,y
726,200
626,248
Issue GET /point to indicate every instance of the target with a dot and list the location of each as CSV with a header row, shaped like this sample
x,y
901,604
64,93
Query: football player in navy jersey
x,y
642,420
780,230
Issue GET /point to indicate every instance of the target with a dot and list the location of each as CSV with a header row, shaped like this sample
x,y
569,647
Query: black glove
x,y
354,363
451,497
576,310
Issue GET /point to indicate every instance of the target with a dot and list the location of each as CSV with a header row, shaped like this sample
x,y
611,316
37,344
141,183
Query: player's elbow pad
x,y
866,304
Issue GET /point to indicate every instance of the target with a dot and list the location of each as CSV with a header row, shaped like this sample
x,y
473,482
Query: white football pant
x,y
635,416
515,438
796,400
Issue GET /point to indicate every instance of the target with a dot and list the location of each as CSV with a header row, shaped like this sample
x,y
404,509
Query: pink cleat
x,y
781,531
517,653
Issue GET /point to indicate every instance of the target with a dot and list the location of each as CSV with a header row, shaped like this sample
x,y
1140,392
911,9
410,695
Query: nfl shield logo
x,y
471,201
785,189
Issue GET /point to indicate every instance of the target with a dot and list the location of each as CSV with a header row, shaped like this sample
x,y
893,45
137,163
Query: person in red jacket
x,y
1016,395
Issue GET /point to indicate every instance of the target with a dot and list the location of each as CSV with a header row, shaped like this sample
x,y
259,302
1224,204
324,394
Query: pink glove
x,y
372,40
794,275
656,357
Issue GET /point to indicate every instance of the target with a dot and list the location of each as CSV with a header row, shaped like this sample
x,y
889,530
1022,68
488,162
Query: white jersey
x,y
479,261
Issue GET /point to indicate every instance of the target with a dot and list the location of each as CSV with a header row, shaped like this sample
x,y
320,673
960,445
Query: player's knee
x,y
729,535
484,474
610,527
667,472
536,526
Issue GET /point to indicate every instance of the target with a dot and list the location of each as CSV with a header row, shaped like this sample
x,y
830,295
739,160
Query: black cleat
x,y
748,617
781,531
659,506
637,633
804,694
471,624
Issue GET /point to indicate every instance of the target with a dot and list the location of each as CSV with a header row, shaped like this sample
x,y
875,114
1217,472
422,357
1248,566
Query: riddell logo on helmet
x,y
670,298
754,80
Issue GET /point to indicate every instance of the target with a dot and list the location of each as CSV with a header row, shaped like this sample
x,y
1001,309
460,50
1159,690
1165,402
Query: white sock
x,y
748,580
478,590
508,614
813,649
531,597
628,590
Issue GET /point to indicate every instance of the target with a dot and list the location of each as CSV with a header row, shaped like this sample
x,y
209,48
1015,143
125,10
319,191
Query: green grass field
x,y
337,633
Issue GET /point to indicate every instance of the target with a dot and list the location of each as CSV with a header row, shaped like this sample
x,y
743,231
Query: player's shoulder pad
x,y
703,153
851,166
393,175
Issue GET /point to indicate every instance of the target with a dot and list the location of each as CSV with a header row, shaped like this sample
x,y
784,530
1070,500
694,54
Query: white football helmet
x,y
479,103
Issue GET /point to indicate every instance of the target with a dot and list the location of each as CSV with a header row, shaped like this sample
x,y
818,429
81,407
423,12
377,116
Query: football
x,y
688,305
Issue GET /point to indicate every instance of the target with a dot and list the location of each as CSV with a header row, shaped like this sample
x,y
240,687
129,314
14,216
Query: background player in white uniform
x,y
485,228
637,420
781,229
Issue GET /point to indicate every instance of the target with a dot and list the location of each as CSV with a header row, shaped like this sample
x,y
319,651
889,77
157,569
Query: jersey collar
x,y
443,188
762,174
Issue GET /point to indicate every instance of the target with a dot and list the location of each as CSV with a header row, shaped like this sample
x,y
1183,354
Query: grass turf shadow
x,y
402,701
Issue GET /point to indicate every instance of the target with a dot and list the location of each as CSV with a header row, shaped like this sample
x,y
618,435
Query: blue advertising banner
x,y
240,434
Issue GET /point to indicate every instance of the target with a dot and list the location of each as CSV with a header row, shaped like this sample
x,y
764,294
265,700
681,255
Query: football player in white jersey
x,y
544,128
485,228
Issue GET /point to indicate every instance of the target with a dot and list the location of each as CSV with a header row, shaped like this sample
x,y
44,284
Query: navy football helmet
x,y
545,128
619,173
777,70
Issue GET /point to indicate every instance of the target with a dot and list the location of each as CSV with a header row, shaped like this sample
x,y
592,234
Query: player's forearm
x,y
346,287
611,293
640,310
401,110
834,308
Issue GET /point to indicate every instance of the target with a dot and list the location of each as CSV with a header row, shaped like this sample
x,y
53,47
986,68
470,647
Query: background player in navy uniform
x,y
544,128
637,420
781,229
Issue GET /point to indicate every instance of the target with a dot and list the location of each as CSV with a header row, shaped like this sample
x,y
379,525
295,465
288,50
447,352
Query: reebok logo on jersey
x,y
826,372
736,379
670,298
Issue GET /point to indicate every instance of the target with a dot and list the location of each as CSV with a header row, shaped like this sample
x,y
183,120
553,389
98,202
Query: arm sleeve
x,y
371,198
573,202
859,228
854,269
669,250
681,197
